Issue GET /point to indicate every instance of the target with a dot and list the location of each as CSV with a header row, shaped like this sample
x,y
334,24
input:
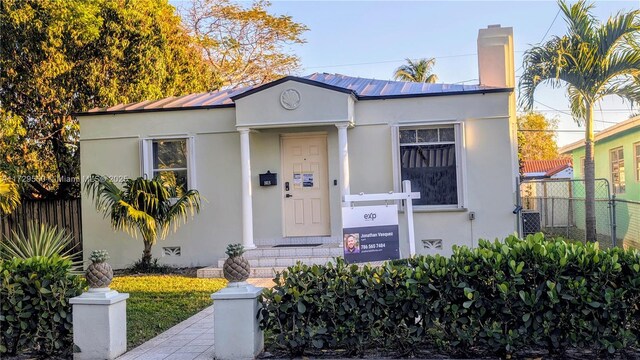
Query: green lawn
x,y
157,302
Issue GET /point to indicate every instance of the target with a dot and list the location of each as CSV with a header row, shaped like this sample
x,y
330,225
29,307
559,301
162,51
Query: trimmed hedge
x,y
36,314
498,299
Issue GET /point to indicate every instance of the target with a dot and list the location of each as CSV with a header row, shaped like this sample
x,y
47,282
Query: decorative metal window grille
x,y
432,244
171,251
428,159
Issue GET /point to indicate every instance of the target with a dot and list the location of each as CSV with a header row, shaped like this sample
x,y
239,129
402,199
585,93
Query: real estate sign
x,y
370,233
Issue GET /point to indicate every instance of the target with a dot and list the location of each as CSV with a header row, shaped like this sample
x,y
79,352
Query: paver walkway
x,y
189,340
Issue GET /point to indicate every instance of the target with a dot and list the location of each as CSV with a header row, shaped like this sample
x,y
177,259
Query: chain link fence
x,y
627,221
557,208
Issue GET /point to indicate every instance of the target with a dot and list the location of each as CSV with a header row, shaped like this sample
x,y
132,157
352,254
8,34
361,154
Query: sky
x,y
372,38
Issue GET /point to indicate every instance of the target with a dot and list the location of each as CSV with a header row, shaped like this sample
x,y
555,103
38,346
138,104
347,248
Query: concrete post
x,y
100,324
236,331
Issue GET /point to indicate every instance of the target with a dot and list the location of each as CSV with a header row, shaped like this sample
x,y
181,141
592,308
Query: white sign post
x,y
406,195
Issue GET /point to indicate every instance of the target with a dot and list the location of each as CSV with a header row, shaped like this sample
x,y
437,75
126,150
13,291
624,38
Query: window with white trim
x,y
616,157
582,166
636,150
171,160
430,157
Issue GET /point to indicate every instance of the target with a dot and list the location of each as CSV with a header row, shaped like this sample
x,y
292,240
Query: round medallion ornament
x,y
290,99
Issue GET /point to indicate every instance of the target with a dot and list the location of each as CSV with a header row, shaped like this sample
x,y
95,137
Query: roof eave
x,y
450,93
137,111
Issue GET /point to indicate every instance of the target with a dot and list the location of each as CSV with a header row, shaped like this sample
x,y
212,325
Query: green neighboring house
x,y
617,159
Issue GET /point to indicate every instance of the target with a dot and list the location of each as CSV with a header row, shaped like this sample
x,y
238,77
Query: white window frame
x,y
636,159
622,175
461,185
582,160
146,150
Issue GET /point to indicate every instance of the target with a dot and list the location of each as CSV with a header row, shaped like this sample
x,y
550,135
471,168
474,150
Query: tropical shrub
x,y
36,314
150,207
39,240
497,299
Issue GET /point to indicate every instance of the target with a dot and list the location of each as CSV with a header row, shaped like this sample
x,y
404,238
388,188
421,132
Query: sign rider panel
x,y
370,233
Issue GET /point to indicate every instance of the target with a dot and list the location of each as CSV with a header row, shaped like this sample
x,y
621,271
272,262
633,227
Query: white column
x,y
247,206
343,155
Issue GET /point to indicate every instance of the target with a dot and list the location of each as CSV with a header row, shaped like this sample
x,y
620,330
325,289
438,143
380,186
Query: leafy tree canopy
x,y
536,137
245,45
60,57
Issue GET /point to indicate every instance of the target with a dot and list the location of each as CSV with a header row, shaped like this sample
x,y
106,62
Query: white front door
x,y
305,185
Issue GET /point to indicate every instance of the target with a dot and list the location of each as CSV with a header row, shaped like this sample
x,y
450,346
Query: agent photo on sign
x,y
351,243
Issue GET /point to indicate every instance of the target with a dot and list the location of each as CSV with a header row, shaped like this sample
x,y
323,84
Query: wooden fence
x,y
65,214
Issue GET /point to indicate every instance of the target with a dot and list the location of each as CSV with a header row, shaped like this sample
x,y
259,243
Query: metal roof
x,y
361,88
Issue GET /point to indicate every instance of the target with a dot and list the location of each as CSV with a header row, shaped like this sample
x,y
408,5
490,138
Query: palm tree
x,y
148,206
417,71
9,195
592,60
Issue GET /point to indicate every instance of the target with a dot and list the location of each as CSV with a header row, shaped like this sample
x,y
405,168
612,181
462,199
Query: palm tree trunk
x,y
146,254
589,178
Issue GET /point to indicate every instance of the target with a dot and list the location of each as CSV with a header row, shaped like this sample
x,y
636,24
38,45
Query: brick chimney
x,y
495,57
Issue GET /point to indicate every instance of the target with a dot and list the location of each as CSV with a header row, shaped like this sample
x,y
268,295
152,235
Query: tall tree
x,y
420,71
150,207
246,45
60,57
592,60
536,137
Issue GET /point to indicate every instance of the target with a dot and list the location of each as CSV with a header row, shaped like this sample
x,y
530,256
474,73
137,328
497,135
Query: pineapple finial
x,y
234,250
99,256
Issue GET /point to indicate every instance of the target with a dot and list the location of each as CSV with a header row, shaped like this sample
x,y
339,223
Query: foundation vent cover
x,y
171,251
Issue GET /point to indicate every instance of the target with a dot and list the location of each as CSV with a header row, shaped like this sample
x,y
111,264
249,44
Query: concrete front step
x,y
262,272
263,268
283,261
328,250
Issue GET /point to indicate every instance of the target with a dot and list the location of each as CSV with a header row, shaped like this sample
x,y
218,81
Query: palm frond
x,y
185,206
416,71
614,32
579,19
541,64
147,206
623,62
578,104
9,195
104,192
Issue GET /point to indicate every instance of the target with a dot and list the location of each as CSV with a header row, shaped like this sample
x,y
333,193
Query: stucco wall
x,y
603,161
317,105
489,167
625,231
110,145
203,238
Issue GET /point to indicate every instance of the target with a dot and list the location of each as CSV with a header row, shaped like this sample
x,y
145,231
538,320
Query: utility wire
x,y
560,131
392,61
570,114
553,22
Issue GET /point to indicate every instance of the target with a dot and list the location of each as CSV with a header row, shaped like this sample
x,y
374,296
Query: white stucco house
x,y
324,136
